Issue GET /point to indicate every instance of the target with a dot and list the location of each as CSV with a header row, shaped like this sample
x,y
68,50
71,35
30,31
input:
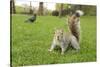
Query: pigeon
x,y
31,19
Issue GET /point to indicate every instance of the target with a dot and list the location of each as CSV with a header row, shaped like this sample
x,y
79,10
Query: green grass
x,y
31,41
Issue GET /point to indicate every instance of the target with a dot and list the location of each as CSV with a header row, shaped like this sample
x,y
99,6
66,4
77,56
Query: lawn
x,y
31,41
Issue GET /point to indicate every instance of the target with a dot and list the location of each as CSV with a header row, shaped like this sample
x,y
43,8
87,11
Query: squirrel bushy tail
x,y
74,24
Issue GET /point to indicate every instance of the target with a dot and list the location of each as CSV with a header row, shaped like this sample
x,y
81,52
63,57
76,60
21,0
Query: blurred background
x,y
48,8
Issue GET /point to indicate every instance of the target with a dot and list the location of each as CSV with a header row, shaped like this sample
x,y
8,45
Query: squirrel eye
x,y
62,33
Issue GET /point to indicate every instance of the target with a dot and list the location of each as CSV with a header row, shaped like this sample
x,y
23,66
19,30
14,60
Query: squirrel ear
x,y
54,32
62,31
